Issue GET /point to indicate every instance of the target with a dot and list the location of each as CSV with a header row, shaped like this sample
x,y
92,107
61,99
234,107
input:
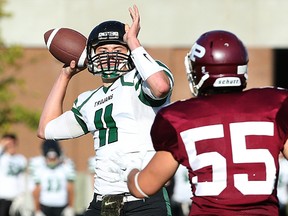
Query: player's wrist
x,y
65,74
126,172
131,174
145,64
137,186
133,43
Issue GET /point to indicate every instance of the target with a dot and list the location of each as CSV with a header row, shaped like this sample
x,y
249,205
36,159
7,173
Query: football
x,y
66,45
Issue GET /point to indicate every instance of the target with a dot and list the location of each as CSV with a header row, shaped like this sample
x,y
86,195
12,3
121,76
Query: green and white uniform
x,y
12,175
119,117
53,183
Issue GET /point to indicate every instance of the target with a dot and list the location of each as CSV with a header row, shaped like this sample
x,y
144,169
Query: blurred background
x,y
168,30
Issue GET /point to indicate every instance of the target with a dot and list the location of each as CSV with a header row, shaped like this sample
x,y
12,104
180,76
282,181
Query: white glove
x,y
118,165
39,213
68,211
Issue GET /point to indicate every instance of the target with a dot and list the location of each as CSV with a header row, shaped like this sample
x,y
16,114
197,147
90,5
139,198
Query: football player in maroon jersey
x,y
229,139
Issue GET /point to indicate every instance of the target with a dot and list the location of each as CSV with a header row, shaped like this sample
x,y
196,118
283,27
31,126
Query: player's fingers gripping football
x,y
72,69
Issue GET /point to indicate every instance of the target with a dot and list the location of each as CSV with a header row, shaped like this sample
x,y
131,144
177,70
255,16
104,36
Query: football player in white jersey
x,y
12,172
39,161
119,113
54,183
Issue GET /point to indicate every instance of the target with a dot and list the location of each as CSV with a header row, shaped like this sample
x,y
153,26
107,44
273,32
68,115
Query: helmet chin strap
x,y
194,88
203,79
109,81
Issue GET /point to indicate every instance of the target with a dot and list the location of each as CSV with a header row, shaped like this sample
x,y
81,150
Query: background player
x,y
54,183
119,114
228,139
12,172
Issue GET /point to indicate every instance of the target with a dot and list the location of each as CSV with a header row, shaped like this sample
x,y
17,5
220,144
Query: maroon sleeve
x,y
163,134
281,120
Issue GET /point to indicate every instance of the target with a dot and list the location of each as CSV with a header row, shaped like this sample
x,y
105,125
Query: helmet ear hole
x,y
218,57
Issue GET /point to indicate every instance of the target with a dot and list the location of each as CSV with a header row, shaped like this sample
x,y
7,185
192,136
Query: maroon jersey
x,y
230,144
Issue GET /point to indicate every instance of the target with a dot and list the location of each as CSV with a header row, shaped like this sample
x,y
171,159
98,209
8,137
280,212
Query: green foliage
x,y
9,55
3,13
10,112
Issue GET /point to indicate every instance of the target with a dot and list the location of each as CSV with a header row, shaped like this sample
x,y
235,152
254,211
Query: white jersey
x,y
53,183
182,188
36,163
282,187
120,119
12,175
39,162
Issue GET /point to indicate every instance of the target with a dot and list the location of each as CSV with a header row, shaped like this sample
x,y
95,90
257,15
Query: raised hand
x,y
132,31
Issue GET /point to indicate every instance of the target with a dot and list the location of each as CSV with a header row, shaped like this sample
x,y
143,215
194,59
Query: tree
x,y
11,112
